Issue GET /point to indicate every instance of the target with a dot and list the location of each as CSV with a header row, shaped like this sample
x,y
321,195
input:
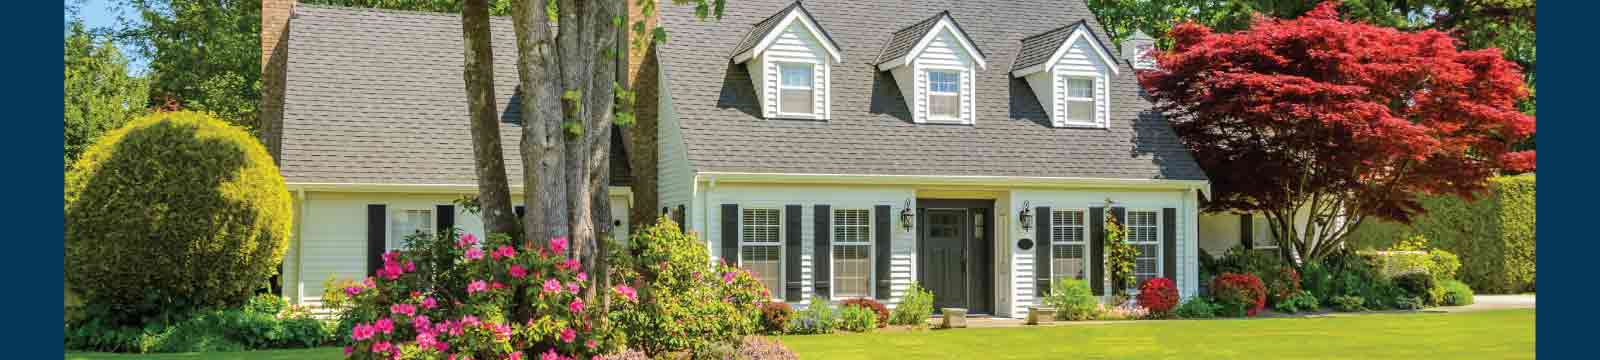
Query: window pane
x,y
943,106
796,75
944,81
1080,111
1066,226
765,263
796,101
852,271
852,226
1066,261
760,226
1080,88
409,223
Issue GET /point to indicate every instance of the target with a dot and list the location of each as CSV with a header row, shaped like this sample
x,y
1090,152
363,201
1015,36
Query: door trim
x,y
980,297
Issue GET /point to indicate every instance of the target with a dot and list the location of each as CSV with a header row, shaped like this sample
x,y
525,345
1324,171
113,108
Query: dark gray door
x,y
945,259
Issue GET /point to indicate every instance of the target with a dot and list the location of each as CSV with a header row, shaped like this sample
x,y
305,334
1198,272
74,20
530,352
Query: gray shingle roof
x,y
761,29
871,131
1037,49
376,96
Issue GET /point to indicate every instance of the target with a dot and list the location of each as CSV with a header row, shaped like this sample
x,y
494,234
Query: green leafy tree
x,y
204,55
496,7
98,93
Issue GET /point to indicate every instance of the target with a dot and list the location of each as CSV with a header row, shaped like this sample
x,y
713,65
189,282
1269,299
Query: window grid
x,y
407,223
761,247
1068,248
1143,232
852,253
1080,99
944,94
797,89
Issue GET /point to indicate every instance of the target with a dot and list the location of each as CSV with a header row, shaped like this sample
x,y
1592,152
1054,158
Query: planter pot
x,y
1040,314
953,318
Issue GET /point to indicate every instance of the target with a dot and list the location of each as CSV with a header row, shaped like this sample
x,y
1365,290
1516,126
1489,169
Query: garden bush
x,y
1348,303
876,307
1456,293
262,323
1408,303
914,308
174,212
1415,284
1239,260
857,319
1316,278
1196,308
1158,295
1494,236
1300,301
815,318
775,315
1072,300
1282,283
1239,294
684,304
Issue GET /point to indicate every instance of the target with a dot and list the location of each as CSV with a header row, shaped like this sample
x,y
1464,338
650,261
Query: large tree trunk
x,y
494,193
543,157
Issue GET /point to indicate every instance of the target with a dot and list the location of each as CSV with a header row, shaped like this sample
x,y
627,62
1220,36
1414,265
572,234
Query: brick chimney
x,y
275,15
643,77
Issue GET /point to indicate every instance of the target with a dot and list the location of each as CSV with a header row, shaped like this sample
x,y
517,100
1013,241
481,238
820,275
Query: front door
x,y
944,245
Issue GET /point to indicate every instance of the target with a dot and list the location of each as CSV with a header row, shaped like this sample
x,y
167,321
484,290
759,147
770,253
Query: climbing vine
x,y
1119,255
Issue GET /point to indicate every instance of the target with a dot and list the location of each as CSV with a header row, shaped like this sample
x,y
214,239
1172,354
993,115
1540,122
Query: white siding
x,y
674,179
1218,232
1080,60
795,44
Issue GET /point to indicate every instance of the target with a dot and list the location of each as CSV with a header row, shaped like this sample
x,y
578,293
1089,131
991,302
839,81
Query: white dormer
x,y
934,63
789,58
1070,72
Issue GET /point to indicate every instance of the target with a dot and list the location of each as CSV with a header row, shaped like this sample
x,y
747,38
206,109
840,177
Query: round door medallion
x,y
1025,244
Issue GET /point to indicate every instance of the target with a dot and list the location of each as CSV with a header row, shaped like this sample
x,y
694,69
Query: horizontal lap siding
x,y
674,181
1081,58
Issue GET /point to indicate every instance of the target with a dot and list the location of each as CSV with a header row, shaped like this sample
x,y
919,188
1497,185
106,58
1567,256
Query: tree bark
x,y
543,157
494,192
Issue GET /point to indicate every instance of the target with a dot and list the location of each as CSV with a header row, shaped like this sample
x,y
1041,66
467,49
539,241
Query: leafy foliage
x,y
775,316
1073,300
914,308
1300,301
1456,293
1120,255
1415,284
98,93
1197,308
154,209
265,322
1159,295
1347,303
205,55
1493,236
684,305
815,318
857,319
877,308
1239,294
1365,121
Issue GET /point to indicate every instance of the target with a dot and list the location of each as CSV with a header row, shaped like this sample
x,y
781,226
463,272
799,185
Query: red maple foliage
x,y
1338,120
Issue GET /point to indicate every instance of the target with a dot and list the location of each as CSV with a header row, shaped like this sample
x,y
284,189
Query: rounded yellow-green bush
x,y
173,211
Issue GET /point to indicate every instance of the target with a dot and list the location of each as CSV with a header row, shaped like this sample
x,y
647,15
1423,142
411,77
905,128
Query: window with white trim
x,y
1144,233
852,253
1261,234
1080,100
944,94
761,247
407,222
1069,245
796,89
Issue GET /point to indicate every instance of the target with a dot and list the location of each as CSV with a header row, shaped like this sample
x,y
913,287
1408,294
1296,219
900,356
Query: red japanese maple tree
x,y
1337,122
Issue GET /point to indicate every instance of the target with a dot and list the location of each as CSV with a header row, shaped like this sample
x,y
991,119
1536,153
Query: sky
x,y
103,13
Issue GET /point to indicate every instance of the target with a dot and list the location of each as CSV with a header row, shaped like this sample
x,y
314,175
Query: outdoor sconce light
x,y
906,215
1026,216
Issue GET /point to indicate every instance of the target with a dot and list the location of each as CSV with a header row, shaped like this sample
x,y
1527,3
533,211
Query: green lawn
x,y
1503,334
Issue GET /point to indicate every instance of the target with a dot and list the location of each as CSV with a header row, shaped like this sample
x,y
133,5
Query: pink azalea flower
x,y
369,283
518,272
583,276
558,245
390,271
443,346
576,305
362,332
422,324
429,303
590,344
410,266
516,356
425,340
385,325
382,347
570,264
353,290
505,251
474,254
477,286
627,292
727,277
349,350
550,355
469,321
467,240
573,287
391,256
407,309
501,332
552,285
567,335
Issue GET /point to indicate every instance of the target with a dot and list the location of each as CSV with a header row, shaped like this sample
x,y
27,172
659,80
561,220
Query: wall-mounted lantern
x,y
1026,216
906,215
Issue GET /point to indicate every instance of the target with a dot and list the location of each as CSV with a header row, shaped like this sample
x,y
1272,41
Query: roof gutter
x,y
970,180
415,188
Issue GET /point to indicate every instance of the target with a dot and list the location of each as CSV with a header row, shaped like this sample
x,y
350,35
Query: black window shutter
x,y
683,218
1169,244
446,215
880,236
376,228
521,211
822,233
1097,245
791,253
1247,237
1041,250
1121,214
730,234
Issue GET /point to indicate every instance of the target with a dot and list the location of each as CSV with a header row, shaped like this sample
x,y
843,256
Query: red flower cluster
x,y
1158,294
1232,289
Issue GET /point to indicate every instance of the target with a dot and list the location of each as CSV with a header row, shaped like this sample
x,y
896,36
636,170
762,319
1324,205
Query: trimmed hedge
x,y
1494,236
173,212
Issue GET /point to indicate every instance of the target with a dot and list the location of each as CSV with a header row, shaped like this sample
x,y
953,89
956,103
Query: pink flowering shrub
x,y
683,304
448,298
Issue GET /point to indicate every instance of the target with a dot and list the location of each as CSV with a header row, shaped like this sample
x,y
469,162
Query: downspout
x,y
299,254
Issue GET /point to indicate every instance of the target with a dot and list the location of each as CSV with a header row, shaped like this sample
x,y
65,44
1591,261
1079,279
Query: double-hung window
x,y
1143,233
944,95
1261,234
852,253
796,89
407,223
1080,100
761,247
1069,245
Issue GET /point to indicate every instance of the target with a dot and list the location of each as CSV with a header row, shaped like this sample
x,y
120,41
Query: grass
x,y
1498,334
1503,334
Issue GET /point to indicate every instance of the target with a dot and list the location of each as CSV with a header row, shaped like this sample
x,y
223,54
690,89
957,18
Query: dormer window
x,y
789,57
1069,72
796,89
934,63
